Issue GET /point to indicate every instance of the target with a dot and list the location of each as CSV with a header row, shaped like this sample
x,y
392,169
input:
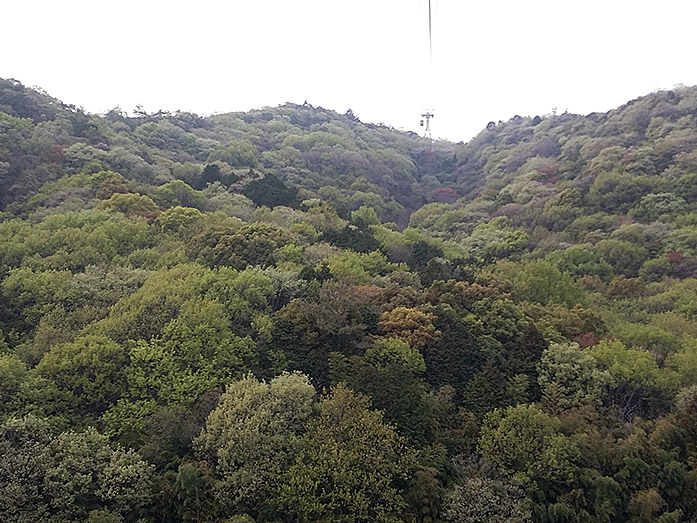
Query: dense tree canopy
x,y
291,315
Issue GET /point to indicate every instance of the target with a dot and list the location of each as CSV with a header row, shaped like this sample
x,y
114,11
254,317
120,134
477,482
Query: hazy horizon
x,y
490,62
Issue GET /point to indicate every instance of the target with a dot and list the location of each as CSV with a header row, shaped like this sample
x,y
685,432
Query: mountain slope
x,y
289,315
521,166
331,156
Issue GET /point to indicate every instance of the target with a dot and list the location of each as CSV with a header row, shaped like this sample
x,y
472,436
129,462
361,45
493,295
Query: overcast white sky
x,y
491,59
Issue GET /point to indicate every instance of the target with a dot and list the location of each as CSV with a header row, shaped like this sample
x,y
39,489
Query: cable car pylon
x,y
426,124
428,114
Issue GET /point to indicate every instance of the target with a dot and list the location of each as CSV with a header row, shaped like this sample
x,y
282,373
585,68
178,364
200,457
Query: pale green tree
x,y
91,369
349,466
252,437
570,378
526,442
484,500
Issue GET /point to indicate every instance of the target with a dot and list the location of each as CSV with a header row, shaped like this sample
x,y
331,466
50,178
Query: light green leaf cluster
x,y
252,437
388,351
347,466
570,378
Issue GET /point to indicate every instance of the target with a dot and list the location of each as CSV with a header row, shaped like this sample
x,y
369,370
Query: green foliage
x,y
145,313
13,372
254,244
389,373
636,379
132,205
627,365
481,500
539,282
562,209
525,441
237,153
23,444
176,218
432,216
570,378
69,476
31,294
91,369
196,353
365,217
650,338
613,191
624,257
348,466
683,240
271,191
359,267
684,362
663,206
394,351
580,260
84,472
149,263
177,193
252,437
496,240
193,486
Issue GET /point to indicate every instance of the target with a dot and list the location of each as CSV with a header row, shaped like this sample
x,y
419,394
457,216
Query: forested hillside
x,y
290,315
